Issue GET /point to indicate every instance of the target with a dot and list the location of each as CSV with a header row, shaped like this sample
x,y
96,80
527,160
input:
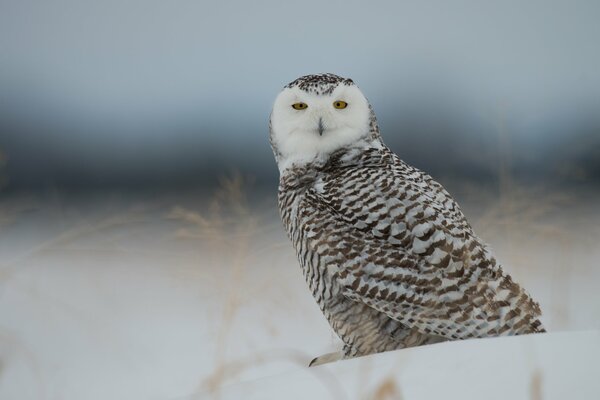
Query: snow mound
x,y
542,366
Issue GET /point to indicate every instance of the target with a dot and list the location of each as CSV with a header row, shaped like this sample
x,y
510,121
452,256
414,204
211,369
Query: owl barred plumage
x,y
387,253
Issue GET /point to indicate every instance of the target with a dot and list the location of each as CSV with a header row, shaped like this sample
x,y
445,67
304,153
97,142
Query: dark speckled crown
x,y
321,84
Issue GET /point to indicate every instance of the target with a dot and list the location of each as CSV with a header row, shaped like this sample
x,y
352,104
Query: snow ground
x,y
181,298
548,366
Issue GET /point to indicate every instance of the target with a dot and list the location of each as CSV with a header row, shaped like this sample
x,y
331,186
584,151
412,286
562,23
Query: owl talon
x,y
326,358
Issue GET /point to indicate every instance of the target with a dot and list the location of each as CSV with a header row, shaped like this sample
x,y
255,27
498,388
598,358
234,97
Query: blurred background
x,y
156,94
139,237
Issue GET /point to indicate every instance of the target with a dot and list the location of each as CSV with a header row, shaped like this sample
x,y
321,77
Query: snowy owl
x,y
387,253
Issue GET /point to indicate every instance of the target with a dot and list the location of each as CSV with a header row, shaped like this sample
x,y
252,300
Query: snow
x,y
548,366
113,298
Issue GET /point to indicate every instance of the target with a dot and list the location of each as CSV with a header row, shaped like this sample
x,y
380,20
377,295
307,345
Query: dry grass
x,y
386,390
535,387
227,231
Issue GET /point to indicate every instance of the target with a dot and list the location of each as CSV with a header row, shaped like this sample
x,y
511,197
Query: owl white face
x,y
306,126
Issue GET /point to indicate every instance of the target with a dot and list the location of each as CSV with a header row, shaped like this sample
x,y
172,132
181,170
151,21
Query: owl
x,y
387,253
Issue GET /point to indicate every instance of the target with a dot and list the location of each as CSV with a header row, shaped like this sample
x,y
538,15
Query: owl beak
x,y
321,127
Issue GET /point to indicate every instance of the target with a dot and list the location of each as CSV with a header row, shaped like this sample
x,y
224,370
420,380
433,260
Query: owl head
x,y
315,115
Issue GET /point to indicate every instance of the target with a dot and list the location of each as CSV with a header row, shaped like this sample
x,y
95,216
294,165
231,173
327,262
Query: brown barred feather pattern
x,y
389,256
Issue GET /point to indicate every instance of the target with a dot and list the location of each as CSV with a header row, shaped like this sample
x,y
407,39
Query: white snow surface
x,y
120,299
544,366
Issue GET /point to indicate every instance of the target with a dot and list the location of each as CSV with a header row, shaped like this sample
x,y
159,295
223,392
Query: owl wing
x,y
395,240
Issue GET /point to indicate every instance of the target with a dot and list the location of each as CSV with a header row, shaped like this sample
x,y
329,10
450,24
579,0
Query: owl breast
x,y
362,329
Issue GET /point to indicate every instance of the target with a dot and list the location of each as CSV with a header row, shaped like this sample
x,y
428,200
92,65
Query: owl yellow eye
x,y
299,106
340,104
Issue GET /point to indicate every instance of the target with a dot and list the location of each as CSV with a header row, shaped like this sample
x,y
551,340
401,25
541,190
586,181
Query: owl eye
x,y
299,106
340,104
